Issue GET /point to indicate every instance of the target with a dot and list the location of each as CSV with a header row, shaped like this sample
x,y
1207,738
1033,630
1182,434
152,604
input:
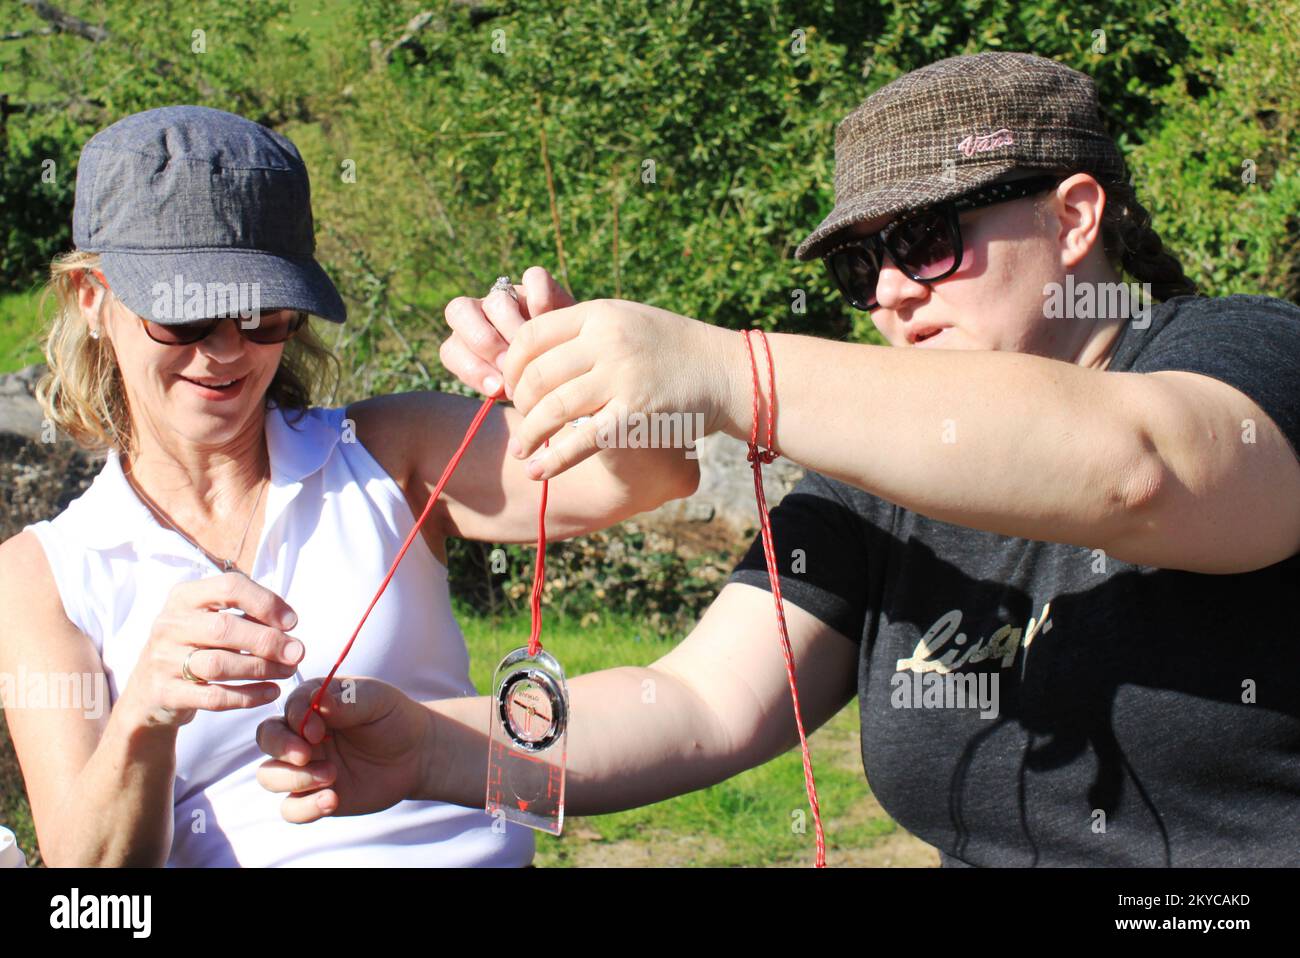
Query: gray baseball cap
x,y
956,125
186,195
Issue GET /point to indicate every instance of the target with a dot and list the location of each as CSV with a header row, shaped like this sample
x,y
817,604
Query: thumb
x,y
347,703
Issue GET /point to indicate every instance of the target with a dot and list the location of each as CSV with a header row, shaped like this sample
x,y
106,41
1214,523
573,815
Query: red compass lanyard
x,y
757,456
534,640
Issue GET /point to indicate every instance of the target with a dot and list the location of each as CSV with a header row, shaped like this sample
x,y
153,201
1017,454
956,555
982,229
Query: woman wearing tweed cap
x,y
1044,536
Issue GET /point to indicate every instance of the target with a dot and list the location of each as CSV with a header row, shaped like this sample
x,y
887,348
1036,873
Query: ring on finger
x,y
503,283
187,674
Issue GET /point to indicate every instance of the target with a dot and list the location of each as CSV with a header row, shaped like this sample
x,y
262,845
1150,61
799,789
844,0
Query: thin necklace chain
x,y
226,565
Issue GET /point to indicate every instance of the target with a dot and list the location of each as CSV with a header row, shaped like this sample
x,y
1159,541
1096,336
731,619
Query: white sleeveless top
x,y
334,523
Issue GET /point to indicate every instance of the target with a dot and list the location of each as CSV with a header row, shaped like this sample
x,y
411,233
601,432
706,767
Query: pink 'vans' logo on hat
x,y
982,144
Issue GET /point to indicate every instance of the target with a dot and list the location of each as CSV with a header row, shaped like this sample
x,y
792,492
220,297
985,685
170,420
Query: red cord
x,y
757,456
539,575
534,641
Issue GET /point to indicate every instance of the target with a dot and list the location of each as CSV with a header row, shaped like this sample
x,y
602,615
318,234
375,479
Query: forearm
x,y
628,482
491,497
1009,443
613,485
636,736
119,811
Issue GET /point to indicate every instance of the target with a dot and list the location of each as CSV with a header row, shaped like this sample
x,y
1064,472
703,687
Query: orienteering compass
x,y
532,708
527,741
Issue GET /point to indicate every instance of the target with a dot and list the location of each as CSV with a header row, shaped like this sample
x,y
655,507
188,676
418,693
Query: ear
x,y
90,294
1078,204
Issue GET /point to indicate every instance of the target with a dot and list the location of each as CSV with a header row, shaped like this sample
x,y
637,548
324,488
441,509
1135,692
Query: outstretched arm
x,y
1147,466
721,704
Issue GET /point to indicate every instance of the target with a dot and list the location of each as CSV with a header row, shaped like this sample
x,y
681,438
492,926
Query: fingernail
x,y
514,448
491,385
293,651
289,620
500,361
536,466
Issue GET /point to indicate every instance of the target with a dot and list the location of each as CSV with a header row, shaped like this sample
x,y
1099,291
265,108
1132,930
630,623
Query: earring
x,y
94,333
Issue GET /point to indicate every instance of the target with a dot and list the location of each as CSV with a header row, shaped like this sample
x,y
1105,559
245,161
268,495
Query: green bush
x,y
35,206
1221,170
430,175
735,104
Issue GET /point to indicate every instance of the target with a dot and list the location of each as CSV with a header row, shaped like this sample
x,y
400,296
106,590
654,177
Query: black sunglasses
x,y
926,245
265,332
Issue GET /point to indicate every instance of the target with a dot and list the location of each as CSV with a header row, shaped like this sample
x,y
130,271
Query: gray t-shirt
x,y
1153,718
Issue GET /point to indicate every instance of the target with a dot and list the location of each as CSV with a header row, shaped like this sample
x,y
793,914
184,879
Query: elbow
x,y
1144,483
687,479
675,478
1136,504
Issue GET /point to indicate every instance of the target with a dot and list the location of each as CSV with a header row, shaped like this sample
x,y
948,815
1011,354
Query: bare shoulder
x,y
398,428
381,424
402,432
25,575
29,597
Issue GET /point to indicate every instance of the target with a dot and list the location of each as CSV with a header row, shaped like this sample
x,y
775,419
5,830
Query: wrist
x,y
139,727
429,784
732,384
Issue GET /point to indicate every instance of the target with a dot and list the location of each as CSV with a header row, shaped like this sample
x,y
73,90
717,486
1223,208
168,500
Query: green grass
x,y
324,21
747,820
20,330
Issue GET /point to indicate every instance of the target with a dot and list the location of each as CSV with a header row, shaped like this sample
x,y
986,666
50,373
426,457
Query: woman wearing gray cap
x,y
1045,539
236,530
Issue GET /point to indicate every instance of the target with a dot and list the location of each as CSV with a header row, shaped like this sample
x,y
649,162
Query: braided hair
x,y
1130,241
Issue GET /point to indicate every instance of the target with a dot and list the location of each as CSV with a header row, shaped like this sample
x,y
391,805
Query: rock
x,y
37,479
20,413
724,501
23,382
21,416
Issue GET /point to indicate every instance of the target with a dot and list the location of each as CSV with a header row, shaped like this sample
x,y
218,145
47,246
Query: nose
x,y
894,288
224,344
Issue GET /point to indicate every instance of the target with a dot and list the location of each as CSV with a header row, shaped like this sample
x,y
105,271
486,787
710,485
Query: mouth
x,y
216,388
923,333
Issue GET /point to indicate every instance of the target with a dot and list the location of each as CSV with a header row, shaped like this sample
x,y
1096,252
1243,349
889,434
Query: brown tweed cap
x,y
958,124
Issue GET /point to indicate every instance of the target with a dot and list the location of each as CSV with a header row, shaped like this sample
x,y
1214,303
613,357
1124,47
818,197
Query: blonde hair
x,y
82,391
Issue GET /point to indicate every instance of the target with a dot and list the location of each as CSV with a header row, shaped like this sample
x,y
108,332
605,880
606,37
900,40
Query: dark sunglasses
x,y
925,245
275,330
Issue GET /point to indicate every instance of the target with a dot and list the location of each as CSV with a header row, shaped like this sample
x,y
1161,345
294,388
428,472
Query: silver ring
x,y
503,283
186,674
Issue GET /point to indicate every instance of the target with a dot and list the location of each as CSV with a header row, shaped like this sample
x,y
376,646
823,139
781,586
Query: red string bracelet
x,y
757,456
534,640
